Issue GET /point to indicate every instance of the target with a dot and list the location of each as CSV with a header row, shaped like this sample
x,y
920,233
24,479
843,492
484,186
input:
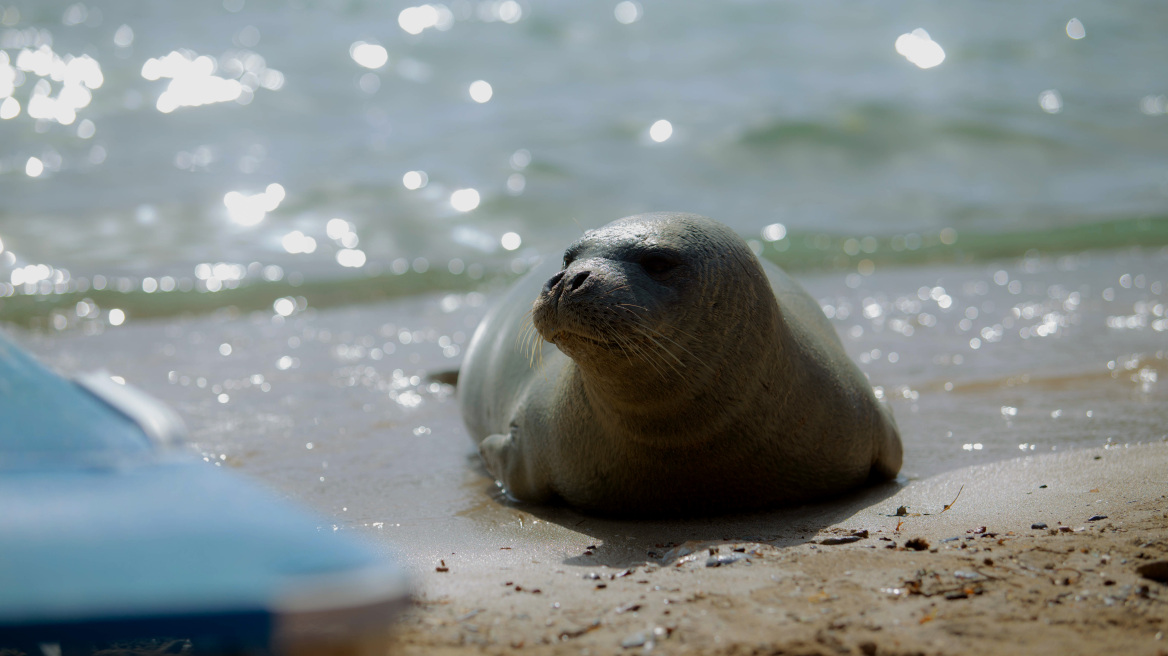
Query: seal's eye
x,y
570,255
658,265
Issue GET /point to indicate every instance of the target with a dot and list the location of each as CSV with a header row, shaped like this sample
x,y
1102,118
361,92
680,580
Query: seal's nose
x,y
572,284
578,280
552,282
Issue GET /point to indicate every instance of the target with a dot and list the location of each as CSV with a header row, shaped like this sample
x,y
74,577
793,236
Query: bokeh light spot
x,y
920,49
627,12
247,210
10,108
481,91
661,131
297,242
413,180
34,167
415,20
774,232
284,306
1050,101
351,258
369,55
511,241
124,37
465,200
510,11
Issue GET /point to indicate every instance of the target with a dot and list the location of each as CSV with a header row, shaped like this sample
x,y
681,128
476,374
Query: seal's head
x,y
654,299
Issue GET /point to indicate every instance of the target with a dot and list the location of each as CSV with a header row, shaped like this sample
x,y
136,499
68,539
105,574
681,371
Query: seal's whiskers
x,y
614,289
651,333
529,341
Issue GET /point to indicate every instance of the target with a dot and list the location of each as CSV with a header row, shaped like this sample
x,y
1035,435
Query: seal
x,y
684,377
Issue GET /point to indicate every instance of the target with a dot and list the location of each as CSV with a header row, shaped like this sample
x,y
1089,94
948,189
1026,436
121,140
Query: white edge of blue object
x,y
103,540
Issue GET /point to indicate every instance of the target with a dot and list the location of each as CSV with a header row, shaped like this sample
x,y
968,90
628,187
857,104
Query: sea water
x,y
282,217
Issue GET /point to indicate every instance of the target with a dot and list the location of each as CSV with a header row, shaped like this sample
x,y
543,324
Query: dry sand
x,y
978,577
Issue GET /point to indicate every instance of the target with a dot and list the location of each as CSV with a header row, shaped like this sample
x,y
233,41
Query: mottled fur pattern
x,y
683,377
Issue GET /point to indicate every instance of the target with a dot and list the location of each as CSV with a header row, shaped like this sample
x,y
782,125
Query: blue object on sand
x,y
107,534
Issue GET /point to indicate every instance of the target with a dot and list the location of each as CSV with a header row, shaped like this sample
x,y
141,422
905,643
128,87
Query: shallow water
x,y
274,240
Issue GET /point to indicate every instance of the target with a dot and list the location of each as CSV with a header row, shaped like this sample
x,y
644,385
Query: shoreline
x,y
967,579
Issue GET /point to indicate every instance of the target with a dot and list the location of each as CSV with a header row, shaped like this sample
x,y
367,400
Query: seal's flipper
x,y
506,462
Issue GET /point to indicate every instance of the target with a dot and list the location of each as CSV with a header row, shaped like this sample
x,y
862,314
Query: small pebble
x,y
724,559
917,544
1095,518
840,539
1038,525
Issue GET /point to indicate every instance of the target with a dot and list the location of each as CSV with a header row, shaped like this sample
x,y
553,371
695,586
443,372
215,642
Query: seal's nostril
x,y
553,281
579,279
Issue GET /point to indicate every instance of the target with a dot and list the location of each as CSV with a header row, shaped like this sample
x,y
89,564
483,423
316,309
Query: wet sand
x,y
975,578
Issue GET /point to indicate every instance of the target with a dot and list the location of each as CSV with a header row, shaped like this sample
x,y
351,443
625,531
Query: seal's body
x,y
686,377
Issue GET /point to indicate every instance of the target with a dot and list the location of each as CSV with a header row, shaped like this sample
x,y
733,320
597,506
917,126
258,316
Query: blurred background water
x,y
975,191
149,142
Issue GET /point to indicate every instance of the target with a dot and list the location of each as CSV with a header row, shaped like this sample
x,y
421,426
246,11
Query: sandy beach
x,y
1060,554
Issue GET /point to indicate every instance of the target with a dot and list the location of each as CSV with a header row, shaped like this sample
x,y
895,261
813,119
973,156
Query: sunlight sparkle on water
x,y
464,200
193,82
296,242
413,180
284,306
249,210
10,108
1075,29
116,317
337,228
627,12
920,49
774,232
511,241
124,37
1050,101
661,131
520,159
509,11
481,91
369,55
415,20
34,167
77,75
351,258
